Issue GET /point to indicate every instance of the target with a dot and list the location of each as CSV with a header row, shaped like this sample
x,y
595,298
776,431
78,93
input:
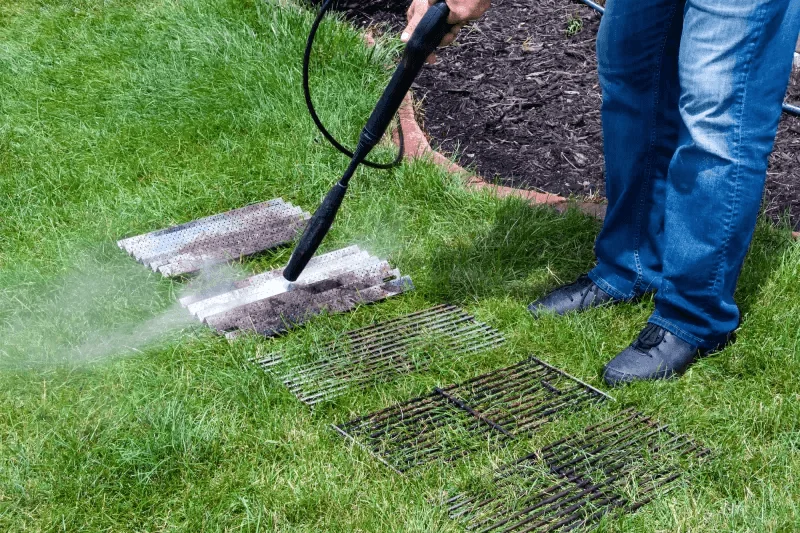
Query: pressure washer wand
x,y
427,36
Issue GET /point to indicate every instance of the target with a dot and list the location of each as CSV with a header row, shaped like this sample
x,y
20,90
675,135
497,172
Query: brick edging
x,y
417,145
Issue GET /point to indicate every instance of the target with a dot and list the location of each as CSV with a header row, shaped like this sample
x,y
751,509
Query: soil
x,y
386,15
517,100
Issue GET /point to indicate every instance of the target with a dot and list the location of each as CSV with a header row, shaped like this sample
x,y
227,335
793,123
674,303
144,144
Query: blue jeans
x,y
692,93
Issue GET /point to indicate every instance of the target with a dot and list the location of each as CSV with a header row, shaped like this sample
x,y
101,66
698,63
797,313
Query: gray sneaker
x,y
579,295
655,354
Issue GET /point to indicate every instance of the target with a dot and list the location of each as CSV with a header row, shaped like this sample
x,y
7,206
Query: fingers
x,y
451,37
415,13
447,40
462,11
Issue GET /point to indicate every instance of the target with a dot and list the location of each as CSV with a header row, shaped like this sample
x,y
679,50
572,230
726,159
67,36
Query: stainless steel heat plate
x,y
381,352
265,303
190,247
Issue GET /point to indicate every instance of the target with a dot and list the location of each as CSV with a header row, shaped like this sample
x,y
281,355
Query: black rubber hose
x,y
313,112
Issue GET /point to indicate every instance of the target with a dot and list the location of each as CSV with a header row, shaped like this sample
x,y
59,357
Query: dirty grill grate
x,y
452,421
621,465
265,303
382,351
190,247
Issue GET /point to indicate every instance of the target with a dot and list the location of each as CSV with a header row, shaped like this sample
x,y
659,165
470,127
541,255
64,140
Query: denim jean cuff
x,y
658,320
607,287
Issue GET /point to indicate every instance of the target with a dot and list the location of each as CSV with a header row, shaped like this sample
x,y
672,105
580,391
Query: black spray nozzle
x,y
426,37
316,230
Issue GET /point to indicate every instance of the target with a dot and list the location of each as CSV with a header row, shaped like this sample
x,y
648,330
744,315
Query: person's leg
x,y
637,52
734,67
735,61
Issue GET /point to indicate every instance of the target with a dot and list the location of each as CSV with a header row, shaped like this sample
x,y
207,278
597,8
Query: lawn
x,y
119,117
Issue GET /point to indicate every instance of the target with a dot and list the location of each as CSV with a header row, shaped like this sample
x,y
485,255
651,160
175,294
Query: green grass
x,y
574,25
120,117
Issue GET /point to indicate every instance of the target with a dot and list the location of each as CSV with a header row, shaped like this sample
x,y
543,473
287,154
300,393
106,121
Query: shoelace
x,y
650,336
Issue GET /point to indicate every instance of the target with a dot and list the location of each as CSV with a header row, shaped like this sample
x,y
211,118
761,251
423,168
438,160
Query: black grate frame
x,y
452,421
619,465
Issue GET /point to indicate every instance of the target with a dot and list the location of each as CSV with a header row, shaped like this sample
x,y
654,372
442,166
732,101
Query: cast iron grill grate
x,y
190,247
382,351
618,465
452,421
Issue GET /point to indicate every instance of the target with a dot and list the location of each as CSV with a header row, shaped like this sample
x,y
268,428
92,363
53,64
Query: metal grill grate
x,y
619,465
382,351
334,282
190,247
452,421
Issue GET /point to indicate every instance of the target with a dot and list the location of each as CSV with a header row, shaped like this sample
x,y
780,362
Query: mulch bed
x,y
517,100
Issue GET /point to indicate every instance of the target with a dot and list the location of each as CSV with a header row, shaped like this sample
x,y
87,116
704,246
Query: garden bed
x,y
518,101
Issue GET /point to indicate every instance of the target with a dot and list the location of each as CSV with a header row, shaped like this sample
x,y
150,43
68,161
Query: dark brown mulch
x,y
387,15
517,99
783,175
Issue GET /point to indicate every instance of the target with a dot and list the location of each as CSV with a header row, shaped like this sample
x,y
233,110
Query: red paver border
x,y
417,146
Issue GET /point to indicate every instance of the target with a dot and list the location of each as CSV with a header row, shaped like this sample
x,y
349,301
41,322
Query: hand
x,y
461,12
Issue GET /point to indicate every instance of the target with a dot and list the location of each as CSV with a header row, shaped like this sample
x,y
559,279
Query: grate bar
x,y
364,335
390,324
534,418
458,341
593,468
335,347
621,461
381,351
602,427
367,366
593,495
580,482
455,332
360,445
545,409
464,407
462,326
490,381
506,402
505,475
343,368
382,373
